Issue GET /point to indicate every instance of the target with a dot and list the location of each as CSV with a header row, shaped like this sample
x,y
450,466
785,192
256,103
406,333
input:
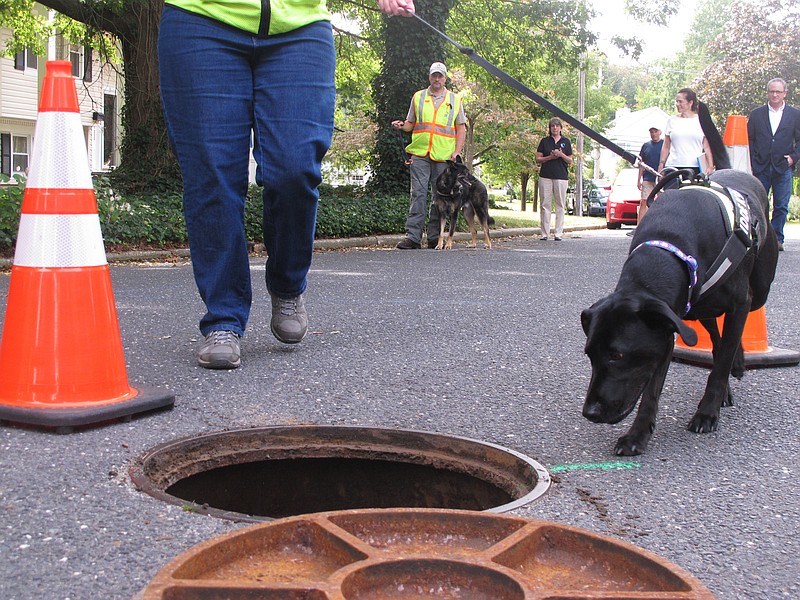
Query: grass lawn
x,y
510,216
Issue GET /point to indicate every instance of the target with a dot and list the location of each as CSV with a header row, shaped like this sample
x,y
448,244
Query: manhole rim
x,y
143,483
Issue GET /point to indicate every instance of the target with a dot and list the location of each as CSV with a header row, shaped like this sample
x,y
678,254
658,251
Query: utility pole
x,y
581,110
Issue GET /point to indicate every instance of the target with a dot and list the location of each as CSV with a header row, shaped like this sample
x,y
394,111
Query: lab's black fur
x,y
630,333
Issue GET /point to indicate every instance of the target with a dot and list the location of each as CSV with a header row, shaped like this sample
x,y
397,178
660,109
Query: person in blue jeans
x,y
773,134
232,72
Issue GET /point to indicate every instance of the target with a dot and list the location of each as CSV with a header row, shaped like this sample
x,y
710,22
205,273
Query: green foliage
x,y
351,211
794,207
344,211
11,193
409,49
134,219
759,42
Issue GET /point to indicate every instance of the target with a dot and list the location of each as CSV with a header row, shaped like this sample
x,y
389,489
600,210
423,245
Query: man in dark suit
x,y
773,131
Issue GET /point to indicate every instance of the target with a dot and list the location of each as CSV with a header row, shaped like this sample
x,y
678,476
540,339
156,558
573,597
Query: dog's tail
x,y
718,150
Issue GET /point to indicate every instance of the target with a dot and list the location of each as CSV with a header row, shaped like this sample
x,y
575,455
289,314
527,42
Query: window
x,y
19,154
79,56
110,127
25,59
76,58
14,154
5,153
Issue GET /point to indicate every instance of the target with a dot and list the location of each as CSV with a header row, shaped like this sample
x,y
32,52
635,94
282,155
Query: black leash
x,y
407,159
529,93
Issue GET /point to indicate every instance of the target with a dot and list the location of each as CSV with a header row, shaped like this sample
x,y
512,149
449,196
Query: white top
x,y
775,116
686,141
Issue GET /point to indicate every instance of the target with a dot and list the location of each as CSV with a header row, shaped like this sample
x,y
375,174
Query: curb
x,y
374,241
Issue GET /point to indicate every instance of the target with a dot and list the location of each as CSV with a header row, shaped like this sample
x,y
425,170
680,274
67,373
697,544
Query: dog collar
x,y
688,259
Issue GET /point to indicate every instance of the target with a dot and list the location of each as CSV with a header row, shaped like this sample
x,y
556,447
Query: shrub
x,y
794,208
345,211
150,220
11,192
351,211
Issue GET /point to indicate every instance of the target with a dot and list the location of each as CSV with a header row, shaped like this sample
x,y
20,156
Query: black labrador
x,y
630,333
458,189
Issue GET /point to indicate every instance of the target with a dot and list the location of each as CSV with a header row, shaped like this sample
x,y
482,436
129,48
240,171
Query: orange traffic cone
x,y
61,357
757,351
736,142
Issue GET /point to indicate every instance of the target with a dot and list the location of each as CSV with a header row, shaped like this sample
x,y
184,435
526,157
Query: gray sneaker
x,y
220,350
289,319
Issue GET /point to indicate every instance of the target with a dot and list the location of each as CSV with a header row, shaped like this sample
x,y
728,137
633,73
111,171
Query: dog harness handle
x,y
689,260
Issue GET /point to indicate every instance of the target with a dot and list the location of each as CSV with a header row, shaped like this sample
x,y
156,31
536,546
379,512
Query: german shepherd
x,y
457,189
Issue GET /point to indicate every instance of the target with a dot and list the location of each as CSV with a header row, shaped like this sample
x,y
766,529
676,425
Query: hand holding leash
x,y
403,8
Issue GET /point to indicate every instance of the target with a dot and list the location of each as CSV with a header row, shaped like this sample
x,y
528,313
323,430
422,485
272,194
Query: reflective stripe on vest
x,y
434,132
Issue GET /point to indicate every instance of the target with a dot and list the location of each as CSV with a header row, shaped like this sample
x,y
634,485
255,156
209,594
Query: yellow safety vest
x,y
434,133
259,17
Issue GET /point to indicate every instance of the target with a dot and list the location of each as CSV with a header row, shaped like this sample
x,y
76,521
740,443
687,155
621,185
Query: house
x,y
99,87
630,129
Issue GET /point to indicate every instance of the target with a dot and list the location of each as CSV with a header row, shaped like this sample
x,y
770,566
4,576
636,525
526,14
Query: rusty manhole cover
x,y
267,473
399,554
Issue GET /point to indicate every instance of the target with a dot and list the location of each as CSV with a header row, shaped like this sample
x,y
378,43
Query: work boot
x,y
407,244
220,350
289,319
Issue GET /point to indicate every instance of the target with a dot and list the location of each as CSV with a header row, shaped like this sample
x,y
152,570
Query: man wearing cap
x,y
438,125
650,155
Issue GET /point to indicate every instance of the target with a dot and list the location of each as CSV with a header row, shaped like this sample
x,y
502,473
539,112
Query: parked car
x,y
622,204
596,202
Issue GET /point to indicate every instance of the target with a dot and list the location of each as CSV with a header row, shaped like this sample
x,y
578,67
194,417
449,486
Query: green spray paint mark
x,y
601,466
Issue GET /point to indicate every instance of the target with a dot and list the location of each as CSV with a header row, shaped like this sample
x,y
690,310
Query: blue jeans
x,y
781,184
219,85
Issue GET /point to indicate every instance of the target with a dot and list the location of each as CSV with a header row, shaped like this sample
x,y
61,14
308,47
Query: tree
x,y
759,42
408,51
146,157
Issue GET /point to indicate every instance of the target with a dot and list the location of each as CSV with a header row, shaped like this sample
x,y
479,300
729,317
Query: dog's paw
x,y
728,399
701,423
629,445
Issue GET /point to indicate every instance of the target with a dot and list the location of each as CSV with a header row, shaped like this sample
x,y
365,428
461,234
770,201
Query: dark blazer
x,y
766,148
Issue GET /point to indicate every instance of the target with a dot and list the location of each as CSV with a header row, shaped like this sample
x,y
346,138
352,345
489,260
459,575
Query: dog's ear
x,y
458,159
586,320
663,314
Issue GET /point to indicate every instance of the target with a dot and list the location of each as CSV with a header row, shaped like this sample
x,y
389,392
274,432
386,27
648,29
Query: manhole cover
x,y
399,554
266,473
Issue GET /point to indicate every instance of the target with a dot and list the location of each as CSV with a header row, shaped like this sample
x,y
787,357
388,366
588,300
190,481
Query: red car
x,y
622,205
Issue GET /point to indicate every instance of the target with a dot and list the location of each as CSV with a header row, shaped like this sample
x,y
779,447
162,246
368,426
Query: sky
x,y
660,42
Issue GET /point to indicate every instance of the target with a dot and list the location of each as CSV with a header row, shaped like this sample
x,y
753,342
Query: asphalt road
x,y
485,345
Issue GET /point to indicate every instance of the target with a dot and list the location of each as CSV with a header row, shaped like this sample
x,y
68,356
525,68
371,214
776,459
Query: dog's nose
x,y
593,411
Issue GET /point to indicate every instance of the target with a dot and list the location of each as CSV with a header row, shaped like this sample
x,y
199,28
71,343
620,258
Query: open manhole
x,y
413,554
259,474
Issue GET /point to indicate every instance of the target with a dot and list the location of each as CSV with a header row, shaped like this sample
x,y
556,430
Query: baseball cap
x,y
438,67
655,127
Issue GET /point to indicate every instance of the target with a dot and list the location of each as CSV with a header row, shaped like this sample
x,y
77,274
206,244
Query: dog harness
x,y
741,237
739,229
688,259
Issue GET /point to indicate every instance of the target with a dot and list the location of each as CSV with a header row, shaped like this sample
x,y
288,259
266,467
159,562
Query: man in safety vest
x,y
438,125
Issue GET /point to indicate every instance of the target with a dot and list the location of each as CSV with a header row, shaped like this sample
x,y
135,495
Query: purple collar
x,y
691,263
